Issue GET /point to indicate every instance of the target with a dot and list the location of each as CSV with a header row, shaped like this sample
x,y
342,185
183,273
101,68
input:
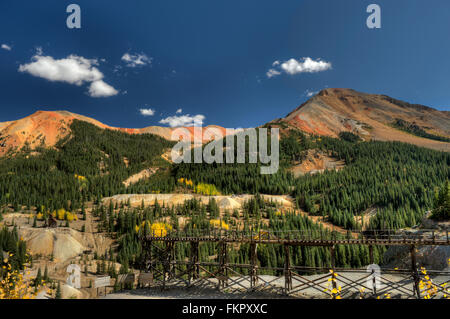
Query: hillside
x,y
370,116
46,128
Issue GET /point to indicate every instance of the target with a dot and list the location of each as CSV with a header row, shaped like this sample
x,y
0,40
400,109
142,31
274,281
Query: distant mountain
x,y
371,116
46,128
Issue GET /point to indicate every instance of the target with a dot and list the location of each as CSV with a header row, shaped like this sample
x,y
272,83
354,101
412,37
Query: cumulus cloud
x,y
134,60
179,111
101,89
293,66
183,120
308,65
73,69
147,112
6,47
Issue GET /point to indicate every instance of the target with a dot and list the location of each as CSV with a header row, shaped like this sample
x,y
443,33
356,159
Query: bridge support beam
x,y
194,268
287,270
414,271
371,259
223,260
333,266
147,262
168,266
254,265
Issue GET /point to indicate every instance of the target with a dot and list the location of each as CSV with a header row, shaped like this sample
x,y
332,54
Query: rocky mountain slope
x,y
370,116
45,128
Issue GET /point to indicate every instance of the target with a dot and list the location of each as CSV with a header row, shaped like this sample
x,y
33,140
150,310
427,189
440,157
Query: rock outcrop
x,y
370,116
224,202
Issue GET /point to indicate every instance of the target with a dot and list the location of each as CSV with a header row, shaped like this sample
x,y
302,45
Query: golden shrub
x,y
206,189
80,178
156,229
13,285
217,223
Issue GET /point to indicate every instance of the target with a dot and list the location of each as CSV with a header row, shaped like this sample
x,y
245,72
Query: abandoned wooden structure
x,y
165,270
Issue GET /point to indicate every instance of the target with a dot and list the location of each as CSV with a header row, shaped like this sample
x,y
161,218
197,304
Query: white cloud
x,y
147,112
101,89
179,111
308,65
272,73
134,60
183,120
293,66
310,93
73,70
6,47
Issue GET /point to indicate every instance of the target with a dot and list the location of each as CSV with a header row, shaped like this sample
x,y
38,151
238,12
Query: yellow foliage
x,y
160,229
186,182
71,217
156,229
201,188
335,291
263,234
429,288
219,224
40,216
278,213
206,189
62,214
13,286
80,178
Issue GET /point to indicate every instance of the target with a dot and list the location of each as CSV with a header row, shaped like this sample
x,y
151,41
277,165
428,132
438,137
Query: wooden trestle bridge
x,y
163,270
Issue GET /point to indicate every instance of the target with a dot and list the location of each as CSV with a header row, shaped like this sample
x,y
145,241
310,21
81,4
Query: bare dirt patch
x,y
317,161
144,174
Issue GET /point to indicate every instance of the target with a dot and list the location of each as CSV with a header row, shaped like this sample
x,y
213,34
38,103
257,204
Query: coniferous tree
x,y
58,291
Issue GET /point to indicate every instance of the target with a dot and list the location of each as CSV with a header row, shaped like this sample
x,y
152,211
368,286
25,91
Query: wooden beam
x,y
254,265
223,260
371,259
287,270
194,270
333,267
414,271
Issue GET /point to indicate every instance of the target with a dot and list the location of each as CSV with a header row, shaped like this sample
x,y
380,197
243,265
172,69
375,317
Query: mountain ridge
x,y
371,116
46,128
328,113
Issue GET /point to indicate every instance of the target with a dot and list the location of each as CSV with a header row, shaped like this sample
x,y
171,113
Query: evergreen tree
x,y
58,291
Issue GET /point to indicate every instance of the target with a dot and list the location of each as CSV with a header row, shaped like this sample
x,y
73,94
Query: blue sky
x,y
211,58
